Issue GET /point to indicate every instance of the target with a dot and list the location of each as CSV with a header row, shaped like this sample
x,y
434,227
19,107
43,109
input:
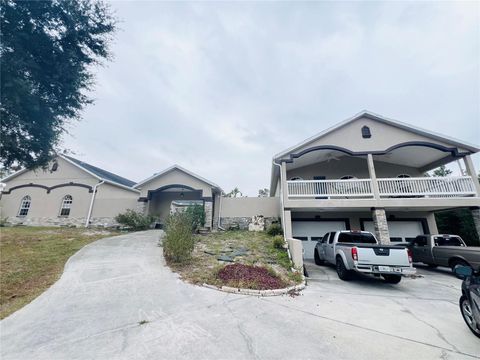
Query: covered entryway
x,y
310,231
400,230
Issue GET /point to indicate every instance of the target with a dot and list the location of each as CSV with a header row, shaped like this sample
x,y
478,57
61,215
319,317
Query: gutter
x,y
90,208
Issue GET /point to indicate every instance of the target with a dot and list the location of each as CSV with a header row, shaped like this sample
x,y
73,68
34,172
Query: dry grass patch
x,y
32,259
257,249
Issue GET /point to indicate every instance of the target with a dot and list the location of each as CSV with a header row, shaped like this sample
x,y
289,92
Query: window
x,y
66,205
356,238
332,236
420,241
303,238
25,206
448,241
403,176
348,177
366,134
296,178
315,238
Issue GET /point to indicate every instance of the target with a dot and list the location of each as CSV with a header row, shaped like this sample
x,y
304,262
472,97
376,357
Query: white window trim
x,y
62,205
23,207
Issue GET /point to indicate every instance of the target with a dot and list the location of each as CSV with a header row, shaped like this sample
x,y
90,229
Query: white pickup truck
x,y
359,251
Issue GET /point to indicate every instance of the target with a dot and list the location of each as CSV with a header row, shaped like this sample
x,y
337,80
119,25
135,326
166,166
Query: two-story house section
x,y
370,173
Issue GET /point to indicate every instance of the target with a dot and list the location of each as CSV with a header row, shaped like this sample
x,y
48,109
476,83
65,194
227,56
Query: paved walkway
x,y
118,300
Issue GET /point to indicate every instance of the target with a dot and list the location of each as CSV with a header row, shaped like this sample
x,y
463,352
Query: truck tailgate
x,y
382,255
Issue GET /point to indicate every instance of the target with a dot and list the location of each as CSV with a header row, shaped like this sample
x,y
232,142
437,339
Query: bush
x,y
134,220
178,241
197,216
250,277
278,242
275,229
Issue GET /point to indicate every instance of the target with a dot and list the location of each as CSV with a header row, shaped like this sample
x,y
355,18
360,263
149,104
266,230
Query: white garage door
x,y
312,231
399,230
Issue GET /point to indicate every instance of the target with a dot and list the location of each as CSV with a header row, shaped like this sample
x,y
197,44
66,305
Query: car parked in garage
x,y
359,251
444,250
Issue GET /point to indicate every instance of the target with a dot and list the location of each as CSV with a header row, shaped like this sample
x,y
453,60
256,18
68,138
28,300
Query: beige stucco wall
x,y
383,137
353,166
250,206
112,200
176,177
45,206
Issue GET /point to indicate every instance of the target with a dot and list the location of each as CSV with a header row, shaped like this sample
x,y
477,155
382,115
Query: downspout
x,y
87,222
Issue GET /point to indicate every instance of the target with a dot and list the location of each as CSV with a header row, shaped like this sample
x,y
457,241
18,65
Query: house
x,y
369,173
68,192
72,192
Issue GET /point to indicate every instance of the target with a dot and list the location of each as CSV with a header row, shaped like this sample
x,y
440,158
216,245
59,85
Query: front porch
x,y
417,187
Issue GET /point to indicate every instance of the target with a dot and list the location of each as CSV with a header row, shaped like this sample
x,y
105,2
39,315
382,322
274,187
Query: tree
x,y
234,193
48,50
264,192
441,171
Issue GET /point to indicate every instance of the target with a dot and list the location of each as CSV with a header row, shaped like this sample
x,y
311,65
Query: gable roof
x,y
177,167
396,123
100,174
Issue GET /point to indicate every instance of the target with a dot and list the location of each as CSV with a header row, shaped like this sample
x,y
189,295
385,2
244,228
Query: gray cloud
x,y
220,87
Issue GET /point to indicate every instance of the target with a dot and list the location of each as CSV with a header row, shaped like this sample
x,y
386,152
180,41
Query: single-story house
x,y
368,172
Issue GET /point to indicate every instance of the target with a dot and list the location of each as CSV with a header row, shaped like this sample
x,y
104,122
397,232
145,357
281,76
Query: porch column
x,y
471,172
476,219
208,207
142,205
373,176
381,226
287,217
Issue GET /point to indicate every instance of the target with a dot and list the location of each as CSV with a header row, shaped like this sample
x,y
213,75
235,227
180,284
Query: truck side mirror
x,y
462,272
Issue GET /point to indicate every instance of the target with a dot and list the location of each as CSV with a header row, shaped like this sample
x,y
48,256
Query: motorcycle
x,y
470,299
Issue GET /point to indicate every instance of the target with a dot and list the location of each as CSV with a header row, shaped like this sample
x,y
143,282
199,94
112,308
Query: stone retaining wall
x,y
243,222
62,221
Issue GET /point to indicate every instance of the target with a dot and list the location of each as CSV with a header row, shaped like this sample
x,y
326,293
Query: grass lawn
x,y
32,259
260,251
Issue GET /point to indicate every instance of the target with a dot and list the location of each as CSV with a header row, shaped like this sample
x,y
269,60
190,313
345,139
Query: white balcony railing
x,y
351,188
431,187
450,186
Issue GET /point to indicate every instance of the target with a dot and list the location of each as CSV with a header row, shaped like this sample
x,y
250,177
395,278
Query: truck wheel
x,y
468,316
392,279
317,258
457,262
342,271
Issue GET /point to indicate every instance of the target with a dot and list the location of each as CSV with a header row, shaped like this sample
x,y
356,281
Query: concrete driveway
x,y
117,300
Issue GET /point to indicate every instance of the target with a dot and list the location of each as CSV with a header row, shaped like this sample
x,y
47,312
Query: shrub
x,y
197,216
250,277
278,242
134,220
178,241
275,229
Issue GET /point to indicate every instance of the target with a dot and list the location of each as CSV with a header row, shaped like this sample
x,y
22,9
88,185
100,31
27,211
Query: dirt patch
x,y
215,251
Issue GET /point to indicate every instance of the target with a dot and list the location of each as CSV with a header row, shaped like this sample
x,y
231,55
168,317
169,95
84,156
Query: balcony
x,y
420,187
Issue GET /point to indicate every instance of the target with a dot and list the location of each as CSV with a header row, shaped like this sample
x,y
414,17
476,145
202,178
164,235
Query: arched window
x,y
25,205
366,134
403,176
348,177
296,178
66,205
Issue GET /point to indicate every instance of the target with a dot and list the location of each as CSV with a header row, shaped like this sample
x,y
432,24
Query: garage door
x,y
312,231
399,230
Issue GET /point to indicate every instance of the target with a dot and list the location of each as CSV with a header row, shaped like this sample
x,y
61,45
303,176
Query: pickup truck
x,y
360,251
444,250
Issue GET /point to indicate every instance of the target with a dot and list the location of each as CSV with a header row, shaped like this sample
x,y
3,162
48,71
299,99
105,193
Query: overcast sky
x,y
219,88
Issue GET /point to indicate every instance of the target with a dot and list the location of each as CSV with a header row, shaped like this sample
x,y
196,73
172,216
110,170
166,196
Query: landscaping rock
x,y
210,252
225,258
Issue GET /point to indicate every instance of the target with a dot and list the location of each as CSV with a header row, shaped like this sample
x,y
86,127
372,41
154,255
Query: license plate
x,y
384,268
